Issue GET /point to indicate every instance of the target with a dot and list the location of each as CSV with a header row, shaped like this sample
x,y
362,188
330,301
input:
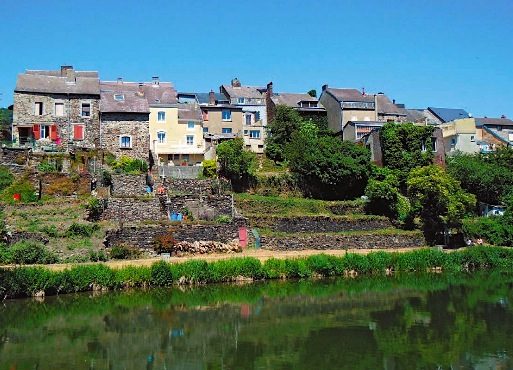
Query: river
x,y
411,321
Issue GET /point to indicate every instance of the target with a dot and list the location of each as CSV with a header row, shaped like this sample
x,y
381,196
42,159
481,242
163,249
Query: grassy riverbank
x,y
29,281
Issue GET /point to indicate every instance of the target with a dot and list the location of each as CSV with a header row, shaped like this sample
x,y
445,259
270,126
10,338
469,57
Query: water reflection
x,y
404,322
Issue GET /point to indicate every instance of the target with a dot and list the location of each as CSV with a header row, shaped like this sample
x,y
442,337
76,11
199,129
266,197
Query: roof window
x,y
119,97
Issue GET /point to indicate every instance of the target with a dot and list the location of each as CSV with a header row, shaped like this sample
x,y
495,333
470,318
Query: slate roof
x,y
204,98
52,82
448,114
133,102
163,93
189,112
292,99
493,121
350,95
386,106
253,92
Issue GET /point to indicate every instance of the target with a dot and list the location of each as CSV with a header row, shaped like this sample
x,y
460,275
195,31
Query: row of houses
x,y
68,109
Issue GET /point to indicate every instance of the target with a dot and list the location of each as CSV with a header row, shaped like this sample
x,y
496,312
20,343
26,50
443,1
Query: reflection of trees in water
x,y
397,327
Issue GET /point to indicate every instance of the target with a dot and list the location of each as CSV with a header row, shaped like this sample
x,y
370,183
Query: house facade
x,y
124,120
57,108
252,101
460,135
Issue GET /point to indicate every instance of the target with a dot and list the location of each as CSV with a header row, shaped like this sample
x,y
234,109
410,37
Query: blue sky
x,y
451,53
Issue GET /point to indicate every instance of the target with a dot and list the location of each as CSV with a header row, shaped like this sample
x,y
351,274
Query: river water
x,y
434,321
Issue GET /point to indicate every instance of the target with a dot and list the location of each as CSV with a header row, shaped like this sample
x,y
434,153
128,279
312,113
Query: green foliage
x,y
210,168
6,178
161,274
50,230
129,165
47,166
23,187
327,167
285,123
81,230
402,146
223,219
485,175
438,199
235,162
382,196
27,252
164,242
125,252
98,256
95,208
106,178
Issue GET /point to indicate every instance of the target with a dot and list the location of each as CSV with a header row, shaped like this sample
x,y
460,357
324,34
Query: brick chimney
x,y
270,89
155,81
324,87
211,98
120,80
141,90
64,70
363,90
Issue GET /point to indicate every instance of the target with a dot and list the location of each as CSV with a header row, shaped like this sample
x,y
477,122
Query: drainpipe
x,y
68,109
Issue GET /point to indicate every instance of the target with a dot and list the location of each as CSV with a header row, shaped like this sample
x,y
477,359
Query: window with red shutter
x,y
53,132
78,132
37,132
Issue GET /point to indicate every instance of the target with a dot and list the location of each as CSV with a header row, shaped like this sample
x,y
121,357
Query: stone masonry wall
x,y
323,242
135,125
133,209
128,185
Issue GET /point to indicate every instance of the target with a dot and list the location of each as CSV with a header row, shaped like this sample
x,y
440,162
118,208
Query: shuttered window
x,y
78,132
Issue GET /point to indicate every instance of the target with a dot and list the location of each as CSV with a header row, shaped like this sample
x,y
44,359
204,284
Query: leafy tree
x,y
235,162
327,167
5,123
382,194
402,148
279,131
312,93
438,199
482,175
6,178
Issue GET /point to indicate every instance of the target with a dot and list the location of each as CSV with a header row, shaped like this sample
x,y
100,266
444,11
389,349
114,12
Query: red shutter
x,y
37,132
78,132
53,132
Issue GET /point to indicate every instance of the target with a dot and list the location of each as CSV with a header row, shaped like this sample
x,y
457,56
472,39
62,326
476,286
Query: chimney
x,y
64,70
270,89
155,81
120,80
363,90
393,101
236,82
141,91
211,98
324,87
503,116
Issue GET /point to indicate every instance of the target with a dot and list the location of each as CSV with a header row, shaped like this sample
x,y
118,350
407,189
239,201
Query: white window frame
x,y
161,116
161,137
191,141
229,115
82,109
59,103
240,100
246,132
119,97
473,138
189,126
41,111
121,141
226,130
254,137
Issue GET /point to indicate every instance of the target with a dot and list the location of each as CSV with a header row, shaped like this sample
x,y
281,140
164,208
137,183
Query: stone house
x,y
494,132
59,108
307,106
124,121
252,101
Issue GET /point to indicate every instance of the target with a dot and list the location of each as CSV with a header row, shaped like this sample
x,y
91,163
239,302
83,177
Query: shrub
x,y
161,274
210,168
30,252
95,208
81,230
47,166
96,256
325,265
50,230
356,262
23,187
129,165
6,178
194,271
223,219
164,242
123,252
274,268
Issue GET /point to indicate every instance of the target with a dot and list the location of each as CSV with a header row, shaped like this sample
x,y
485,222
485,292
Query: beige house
x,y
460,135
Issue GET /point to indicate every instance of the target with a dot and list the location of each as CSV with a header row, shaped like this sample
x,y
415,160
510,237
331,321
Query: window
x,y
190,125
125,142
246,132
453,141
185,158
434,144
226,130
78,132
240,100
472,138
248,119
86,109
119,97
257,116
59,109
161,137
254,134
190,139
161,116
205,115
205,129
227,115
38,108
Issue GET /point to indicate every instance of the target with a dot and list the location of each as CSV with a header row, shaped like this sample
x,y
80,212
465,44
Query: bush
x,y
30,252
95,208
23,187
81,230
128,165
223,219
210,168
6,178
124,252
164,242
50,230
97,256
194,271
161,274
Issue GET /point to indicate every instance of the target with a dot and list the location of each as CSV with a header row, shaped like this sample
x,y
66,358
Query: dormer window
x,y
119,97
240,100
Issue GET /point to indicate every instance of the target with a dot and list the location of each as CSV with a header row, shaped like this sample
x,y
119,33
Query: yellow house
x,y
460,135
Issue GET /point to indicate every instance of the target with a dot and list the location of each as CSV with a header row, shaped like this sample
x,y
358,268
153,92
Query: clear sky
x,y
450,53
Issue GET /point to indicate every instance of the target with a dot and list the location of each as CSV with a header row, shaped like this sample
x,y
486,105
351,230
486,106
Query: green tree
x,y
439,200
483,175
402,147
383,194
279,132
5,123
327,167
235,162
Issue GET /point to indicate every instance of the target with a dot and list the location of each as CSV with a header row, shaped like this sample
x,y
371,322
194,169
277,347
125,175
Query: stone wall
x,y
181,172
134,125
323,242
128,185
318,224
144,237
133,209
